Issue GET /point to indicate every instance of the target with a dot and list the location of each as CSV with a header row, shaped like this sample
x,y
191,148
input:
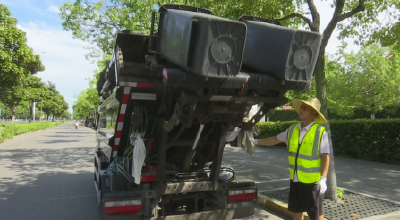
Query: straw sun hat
x,y
313,103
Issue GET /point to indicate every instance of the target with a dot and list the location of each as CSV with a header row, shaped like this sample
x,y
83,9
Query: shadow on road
x,y
39,199
37,160
269,164
65,136
57,141
49,175
48,184
73,132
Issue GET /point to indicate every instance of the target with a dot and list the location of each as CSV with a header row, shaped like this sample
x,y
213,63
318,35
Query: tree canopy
x,y
17,65
97,21
86,102
367,80
17,60
54,103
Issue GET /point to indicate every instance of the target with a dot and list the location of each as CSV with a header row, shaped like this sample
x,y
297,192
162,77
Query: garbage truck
x,y
167,99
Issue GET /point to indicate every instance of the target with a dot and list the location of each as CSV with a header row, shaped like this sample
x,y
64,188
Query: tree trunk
x,y
33,111
47,118
30,112
332,187
372,112
40,114
322,96
52,119
14,112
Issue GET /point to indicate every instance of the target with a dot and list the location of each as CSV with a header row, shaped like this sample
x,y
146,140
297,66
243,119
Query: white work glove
x,y
321,186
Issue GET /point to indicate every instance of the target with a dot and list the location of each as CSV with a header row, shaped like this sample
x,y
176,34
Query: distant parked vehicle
x,y
89,122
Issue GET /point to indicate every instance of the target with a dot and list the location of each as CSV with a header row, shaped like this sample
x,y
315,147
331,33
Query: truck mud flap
x,y
224,214
123,217
242,210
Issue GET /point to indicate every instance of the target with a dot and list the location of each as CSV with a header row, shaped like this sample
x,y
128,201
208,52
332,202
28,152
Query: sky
x,y
64,57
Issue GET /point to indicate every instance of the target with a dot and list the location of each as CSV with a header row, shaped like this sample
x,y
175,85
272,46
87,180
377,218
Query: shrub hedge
x,y
9,130
377,140
290,115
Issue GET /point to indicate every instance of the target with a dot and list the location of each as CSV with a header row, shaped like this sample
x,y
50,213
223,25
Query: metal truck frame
x,y
182,118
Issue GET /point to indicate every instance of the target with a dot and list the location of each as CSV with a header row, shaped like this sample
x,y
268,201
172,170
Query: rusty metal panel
x,y
185,187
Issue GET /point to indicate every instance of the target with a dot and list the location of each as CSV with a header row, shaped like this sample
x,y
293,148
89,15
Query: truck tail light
x,y
242,195
122,207
149,176
144,85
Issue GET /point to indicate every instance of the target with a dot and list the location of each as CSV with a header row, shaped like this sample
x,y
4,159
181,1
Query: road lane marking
x,y
271,181
281,188
71,197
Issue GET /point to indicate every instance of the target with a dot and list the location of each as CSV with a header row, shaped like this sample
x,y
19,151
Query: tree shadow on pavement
x,y
374,178
74,132
36,160
48,184
260,214
65,136
57,141
269,164
49,196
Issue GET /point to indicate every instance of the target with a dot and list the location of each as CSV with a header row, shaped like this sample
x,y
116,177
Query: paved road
x,y
49,175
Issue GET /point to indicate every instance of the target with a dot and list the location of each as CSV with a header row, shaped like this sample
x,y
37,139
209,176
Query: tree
x,y
87,102
35,91
18,94
368,79
66,115
5,111
53,103
60,107
97,22
17,58
17,61
360,15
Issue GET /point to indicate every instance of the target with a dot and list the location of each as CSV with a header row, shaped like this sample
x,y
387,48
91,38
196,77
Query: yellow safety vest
x,y
308,158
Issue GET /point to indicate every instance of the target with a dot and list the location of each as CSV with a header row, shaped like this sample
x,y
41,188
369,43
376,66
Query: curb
x,y
379,217
281,208
371,196
276,206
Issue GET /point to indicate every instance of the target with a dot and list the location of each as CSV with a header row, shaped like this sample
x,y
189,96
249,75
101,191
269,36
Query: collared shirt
x,y
324,147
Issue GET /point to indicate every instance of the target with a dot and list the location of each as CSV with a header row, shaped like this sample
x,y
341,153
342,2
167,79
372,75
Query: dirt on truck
x,y
167,100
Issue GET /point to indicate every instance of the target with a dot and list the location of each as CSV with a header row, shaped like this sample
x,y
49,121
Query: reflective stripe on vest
x,y
308,159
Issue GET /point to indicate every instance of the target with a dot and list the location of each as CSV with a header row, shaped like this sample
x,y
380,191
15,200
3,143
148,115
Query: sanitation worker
x,y
308,148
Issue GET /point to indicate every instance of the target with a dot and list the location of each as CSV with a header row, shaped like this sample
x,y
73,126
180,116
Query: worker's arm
x,y
271,141
325,165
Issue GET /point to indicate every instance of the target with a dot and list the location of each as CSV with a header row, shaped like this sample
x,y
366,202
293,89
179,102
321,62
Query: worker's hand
x,y
321,186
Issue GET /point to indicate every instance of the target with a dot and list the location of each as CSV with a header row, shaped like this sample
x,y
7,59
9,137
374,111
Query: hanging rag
x,y
139,154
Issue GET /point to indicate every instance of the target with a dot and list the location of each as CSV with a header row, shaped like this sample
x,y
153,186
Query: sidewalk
x,y
372,189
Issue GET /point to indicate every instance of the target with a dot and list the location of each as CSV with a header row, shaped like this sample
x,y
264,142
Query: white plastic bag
x,y
139,154
230,136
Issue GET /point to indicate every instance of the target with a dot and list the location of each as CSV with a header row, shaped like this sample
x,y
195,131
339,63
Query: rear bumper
x,y
224,214
233,211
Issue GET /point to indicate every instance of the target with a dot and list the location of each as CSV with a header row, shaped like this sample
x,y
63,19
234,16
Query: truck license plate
x,y
144,96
